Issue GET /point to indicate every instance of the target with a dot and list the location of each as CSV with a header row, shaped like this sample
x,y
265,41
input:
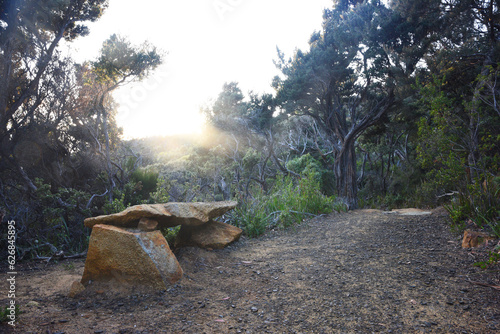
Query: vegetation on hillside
x,y
391,105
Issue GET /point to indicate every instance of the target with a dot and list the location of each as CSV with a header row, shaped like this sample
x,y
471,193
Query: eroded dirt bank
x,y
359,272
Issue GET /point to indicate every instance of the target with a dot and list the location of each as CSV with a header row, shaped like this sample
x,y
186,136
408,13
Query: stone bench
x,y
129,247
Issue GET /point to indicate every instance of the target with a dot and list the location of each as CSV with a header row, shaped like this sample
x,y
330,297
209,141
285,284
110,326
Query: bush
x,y
49,220
5,312
145,182
289,202
252,217
170,233
307,165
161,194
117,205
478,202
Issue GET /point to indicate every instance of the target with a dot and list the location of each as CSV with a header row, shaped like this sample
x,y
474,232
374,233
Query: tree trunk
x,y
345,175
109,168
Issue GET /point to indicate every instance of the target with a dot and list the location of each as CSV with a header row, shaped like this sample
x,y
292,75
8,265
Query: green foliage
x,y
56,204
55,217
252,217
288,203
294,200
145,182
339,207
492,260
141,189
117,205
119,60
458,216
4,312
251,158
456,149
476,203
439,149
307,165
479,203
161,194
170,233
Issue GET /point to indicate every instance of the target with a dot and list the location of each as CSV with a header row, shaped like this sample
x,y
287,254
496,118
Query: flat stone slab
x,y
166,214
130,258
212,235
409,212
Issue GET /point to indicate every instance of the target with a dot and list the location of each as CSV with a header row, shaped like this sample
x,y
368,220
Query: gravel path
x,y
364,271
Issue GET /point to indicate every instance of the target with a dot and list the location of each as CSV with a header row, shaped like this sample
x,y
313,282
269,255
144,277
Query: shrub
x,y
251,216
307,165
478,202
170,233
289,202
161,194
145,182
4,312
51,220
117,205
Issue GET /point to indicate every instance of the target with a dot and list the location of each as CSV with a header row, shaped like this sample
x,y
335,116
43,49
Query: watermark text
x,y
222,7
11,274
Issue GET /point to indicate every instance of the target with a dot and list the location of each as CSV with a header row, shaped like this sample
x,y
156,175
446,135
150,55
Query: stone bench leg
x,y
135,258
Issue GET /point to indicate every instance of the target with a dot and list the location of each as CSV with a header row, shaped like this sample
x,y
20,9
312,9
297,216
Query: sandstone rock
x,y
167,214
214,235
146,224
475,239
75,289
131,258
409,212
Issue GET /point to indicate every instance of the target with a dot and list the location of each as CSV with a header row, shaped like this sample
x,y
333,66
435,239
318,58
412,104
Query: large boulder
x,y
212,235
130,257
166,214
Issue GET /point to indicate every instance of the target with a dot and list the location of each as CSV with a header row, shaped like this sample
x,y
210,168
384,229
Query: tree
x,y
228,109
30,64
55,114
459,96
343,82
250,130
118,63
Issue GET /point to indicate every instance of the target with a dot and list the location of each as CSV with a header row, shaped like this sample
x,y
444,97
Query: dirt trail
x,y
359,272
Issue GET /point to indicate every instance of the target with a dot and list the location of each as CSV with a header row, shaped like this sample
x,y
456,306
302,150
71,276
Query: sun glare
x,y
180,122
219,48
156,107
159,119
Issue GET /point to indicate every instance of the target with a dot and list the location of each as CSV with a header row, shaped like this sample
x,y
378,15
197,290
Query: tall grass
x,y
289,202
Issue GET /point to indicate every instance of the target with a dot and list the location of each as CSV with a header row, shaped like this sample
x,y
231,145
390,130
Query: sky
x,y
207,43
